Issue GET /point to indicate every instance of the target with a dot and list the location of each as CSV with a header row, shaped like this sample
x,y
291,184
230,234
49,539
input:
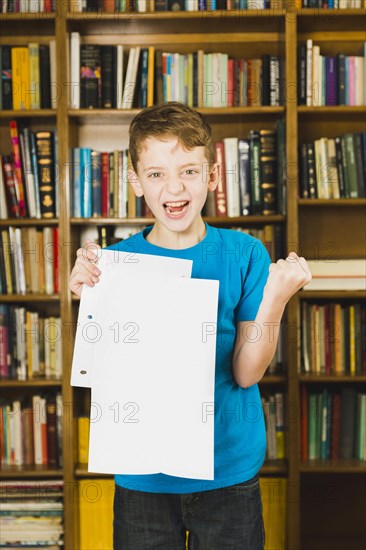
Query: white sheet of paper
x,y
128,263
153,377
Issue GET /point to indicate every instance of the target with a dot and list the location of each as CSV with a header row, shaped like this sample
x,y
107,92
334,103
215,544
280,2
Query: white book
x,y
324,159
119,91
14,258
309,72
20,260
47,348
53,74
337,275
21,344
29,175
359,80
232,176
131,74
58,371
75,71
48,259
35,343
316,81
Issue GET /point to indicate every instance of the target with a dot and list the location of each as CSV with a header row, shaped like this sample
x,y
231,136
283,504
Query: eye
x,y
191,172
154,175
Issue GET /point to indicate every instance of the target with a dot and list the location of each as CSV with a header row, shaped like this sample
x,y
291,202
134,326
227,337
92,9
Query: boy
x,y
172,154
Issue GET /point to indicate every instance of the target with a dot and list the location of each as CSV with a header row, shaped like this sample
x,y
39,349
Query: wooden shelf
x,y
21,472
39,113
250,220
81,471
278,467
273,379
350,466
28,222
29,297
30,383
116,116
332,378
332,110
331,294
331,202
154,16
39,16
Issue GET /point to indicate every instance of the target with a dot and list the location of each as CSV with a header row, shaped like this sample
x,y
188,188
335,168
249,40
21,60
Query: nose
x,y
175,185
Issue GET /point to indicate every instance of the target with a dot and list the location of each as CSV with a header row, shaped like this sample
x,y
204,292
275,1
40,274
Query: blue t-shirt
x,y
240,262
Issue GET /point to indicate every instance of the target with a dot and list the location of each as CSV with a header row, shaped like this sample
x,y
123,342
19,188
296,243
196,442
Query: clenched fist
x,y
286,277
85,269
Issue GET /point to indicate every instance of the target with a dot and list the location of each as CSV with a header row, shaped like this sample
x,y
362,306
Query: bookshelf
x,y
249,33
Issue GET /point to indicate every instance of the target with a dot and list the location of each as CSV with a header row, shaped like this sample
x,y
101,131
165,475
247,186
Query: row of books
x,y
30,260
252,179
274,414
330,80
333,168
109,76
28,76
332,338
30,345
27,6
31,431
31,514
28,177
333,424
122,6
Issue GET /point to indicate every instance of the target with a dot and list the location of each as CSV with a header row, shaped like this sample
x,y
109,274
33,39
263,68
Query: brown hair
x,y
166,119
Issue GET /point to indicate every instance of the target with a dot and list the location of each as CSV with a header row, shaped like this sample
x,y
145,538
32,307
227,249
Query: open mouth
x,y
177,207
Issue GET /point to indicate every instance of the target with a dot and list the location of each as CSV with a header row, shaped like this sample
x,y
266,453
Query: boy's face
x,y
174,181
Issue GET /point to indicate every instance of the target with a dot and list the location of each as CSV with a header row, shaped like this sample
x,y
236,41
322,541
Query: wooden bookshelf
x,y
254,32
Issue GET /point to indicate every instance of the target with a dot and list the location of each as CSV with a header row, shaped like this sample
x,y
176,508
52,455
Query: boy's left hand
x,y
286,277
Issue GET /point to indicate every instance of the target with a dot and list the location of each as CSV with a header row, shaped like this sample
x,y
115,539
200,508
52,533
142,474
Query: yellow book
x,y
150,76
96,514
21,80
338,367
274,491
34,77
83,439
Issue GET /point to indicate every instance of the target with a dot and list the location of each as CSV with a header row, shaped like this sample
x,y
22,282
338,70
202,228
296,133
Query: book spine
x,y
46,173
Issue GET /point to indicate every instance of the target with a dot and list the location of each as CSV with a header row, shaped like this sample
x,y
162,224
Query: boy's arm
x,y
256,341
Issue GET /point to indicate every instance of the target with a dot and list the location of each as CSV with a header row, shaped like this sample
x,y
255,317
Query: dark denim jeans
x,y
221,519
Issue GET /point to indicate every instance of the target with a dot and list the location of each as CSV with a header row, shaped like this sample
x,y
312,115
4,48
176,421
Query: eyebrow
x,y
162,168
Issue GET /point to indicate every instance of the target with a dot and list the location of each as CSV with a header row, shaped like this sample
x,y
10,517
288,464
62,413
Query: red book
x,y
220,191
48,6
11,193
105,185
18,177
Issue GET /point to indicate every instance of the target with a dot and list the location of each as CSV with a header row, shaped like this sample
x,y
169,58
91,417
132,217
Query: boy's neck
x,y
177,240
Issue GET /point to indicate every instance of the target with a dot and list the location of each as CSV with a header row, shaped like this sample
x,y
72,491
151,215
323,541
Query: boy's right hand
x,y
85,269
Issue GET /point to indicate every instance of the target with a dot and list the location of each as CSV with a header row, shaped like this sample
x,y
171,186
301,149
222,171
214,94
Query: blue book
x,y
96,178
85,181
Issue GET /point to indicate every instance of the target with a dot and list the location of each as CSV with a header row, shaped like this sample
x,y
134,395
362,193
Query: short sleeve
x,y
254,277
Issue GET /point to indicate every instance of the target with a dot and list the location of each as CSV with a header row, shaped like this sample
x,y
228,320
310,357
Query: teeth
x,y
180,203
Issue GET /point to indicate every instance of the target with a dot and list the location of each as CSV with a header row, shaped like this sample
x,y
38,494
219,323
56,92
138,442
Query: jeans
x,y
229,518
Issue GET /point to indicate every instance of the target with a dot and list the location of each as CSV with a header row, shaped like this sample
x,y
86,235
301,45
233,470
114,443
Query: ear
x,y
214,176
135,183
